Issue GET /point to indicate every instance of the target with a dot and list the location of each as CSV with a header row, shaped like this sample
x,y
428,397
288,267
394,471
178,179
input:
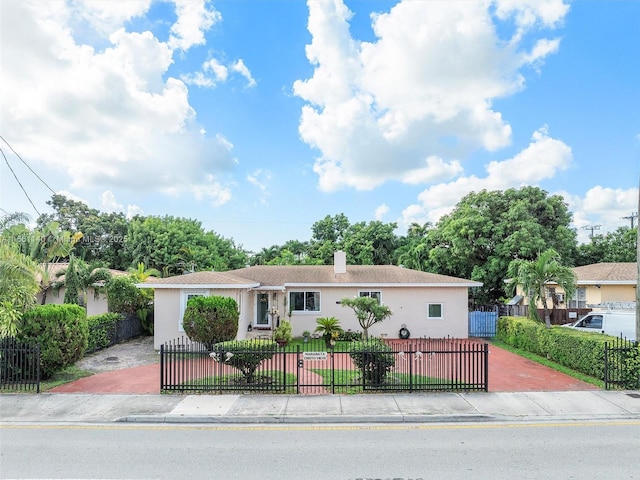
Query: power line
x,y
27,165
16,177
592,228
631,217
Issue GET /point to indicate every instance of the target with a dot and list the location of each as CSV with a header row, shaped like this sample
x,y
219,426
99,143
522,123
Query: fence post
x,y
161,366
486,367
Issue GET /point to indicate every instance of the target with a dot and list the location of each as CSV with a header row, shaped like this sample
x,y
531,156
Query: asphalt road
x,y
562,450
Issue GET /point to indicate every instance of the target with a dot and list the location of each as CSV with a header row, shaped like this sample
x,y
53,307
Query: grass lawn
x,y
548,363
264,382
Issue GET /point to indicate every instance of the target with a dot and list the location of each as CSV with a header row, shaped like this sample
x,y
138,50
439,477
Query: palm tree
x,y
535,275
18,286
77,278
141,273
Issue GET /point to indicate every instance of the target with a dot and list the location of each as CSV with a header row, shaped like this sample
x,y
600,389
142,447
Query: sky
x,y
259,118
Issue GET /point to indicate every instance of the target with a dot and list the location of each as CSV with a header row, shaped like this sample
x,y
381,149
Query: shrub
x,y
244,355
282,334
349,336
61,331
329,328
102,330
374,359
124,297
579,351
211,320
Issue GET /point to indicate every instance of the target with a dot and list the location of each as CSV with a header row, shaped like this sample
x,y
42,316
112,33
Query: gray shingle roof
x,y
611,273
320,275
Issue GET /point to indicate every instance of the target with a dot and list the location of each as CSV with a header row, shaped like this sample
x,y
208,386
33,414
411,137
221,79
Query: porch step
x,y
259,333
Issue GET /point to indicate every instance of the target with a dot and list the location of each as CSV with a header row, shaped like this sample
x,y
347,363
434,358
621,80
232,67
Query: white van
x,y
611,323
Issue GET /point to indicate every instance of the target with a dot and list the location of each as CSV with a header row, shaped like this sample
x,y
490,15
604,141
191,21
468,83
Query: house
x,y
95,304
609,285
427,304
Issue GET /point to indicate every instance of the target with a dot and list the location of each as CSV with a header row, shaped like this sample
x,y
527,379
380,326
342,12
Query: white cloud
x,y
240,67
194,18
603,208
541,159
381,211
108,202
259,179
422,90
108,116
213,73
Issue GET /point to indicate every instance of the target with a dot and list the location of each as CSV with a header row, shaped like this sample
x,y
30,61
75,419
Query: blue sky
x,y
259,117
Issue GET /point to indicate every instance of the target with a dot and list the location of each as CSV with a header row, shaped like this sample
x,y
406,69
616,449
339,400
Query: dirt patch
x,y
134,353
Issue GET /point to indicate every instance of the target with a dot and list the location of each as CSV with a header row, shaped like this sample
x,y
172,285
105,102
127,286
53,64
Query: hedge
x,y
62,332
579,351
102,329
244,355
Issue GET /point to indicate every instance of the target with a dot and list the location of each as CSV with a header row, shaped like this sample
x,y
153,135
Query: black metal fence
x,y
622,365
312,368
19,365
104,335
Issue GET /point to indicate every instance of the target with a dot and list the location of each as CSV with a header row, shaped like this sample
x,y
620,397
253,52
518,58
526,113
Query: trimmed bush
x,y
62,332
102,329
373,358
211,320
349,336
579,351
244,355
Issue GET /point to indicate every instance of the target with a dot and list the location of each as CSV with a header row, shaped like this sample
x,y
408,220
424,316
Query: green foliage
x,y
179,245
487,230
211,320
368,311
374,359
62,332
101,329
349,336
329,328
618,246
18,286
244,355
579,351
535,275
282,333
124,297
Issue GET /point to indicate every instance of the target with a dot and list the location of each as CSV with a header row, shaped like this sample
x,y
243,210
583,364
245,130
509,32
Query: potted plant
x,y
329,328
306,335
282,334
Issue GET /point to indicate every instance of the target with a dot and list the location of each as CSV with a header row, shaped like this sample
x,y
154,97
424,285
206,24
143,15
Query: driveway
x,y
133,368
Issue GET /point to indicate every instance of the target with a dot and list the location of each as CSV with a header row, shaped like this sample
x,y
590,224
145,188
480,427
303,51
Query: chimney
x,y
339,262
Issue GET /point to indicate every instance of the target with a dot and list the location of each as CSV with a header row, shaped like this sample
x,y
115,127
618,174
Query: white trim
x,y
184,293
182,286
372,286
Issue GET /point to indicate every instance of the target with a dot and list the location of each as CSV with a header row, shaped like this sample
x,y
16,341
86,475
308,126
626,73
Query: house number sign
x,y
314,355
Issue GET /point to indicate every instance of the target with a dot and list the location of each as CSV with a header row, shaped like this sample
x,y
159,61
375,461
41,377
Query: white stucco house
x,y
429,305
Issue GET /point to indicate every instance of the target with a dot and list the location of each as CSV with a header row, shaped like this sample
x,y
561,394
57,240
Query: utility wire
x,y
16,177
27,165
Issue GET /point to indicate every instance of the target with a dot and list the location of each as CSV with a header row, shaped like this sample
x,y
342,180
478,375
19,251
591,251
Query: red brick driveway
x,y
508,372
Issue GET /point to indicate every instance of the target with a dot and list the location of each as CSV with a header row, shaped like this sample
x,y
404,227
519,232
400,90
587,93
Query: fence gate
x,y
483,323
313,368
19,365
622,365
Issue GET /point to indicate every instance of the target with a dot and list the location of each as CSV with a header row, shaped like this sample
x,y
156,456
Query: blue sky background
x,y
261,117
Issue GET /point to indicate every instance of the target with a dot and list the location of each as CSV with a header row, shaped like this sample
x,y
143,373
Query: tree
x,y
210,320
18,286
78,278
617,246
178,245
368,312
535,276
487,230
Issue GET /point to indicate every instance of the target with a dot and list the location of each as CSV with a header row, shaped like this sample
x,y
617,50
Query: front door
x,y
263,319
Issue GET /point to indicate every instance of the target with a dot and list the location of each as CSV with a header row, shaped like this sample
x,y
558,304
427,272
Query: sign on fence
x,y
314,355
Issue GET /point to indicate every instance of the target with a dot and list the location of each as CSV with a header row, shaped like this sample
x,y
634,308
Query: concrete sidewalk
x,y
292,409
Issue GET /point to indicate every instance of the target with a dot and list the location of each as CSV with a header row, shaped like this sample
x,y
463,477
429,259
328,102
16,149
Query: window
x,y
304,301
592,321
579,299
434,310
376,295
186,295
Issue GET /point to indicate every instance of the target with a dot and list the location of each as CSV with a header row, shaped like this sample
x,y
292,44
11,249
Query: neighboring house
x,y
95,305
599,284
429,305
